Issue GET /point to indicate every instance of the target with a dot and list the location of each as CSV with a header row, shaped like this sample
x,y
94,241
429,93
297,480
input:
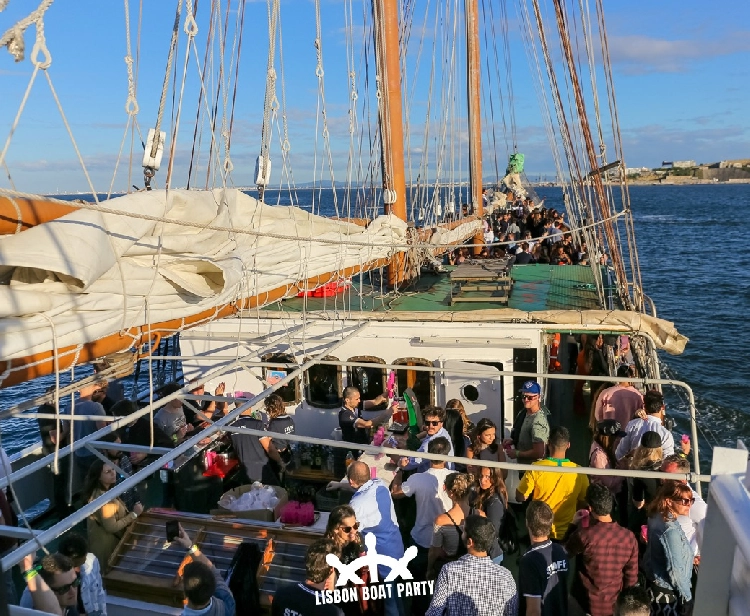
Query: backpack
x,y
508,536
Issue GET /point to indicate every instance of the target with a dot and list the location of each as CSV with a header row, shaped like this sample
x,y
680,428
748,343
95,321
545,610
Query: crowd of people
x,y
597,545
600,545
528,233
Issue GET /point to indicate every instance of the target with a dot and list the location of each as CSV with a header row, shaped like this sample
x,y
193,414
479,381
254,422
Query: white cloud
x,y
642,54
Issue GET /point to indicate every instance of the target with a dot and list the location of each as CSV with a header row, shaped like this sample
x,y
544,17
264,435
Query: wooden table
x,y
314,475
487,279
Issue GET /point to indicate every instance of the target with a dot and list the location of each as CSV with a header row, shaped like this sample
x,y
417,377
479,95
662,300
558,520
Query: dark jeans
x,y
418,568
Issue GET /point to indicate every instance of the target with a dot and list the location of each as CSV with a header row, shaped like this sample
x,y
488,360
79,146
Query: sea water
x,y
695,264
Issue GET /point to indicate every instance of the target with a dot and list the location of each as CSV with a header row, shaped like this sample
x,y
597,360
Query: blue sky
x,y
681,71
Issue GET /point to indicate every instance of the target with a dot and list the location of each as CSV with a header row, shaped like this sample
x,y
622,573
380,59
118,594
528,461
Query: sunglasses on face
x,y
348,529
432,423
530,397
684,501
61,590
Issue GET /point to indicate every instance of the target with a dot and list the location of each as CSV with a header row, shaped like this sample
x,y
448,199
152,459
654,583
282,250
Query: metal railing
x,y
94,440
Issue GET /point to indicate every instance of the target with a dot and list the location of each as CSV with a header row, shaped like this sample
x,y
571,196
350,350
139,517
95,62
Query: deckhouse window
x,y
323,385
370,381
290,393
422,383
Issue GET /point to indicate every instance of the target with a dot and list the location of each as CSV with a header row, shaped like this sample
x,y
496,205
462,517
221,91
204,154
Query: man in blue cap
x,y
531,428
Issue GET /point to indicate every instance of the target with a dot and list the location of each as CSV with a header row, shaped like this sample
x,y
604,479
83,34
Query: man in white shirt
x,y
373,506
428,489
653,403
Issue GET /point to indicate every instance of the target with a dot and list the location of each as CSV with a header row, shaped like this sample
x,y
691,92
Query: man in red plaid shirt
x,y
607,555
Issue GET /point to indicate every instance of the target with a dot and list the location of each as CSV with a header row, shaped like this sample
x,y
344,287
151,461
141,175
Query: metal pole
x,y
123,421
473,70
90,508
563,377
389,451
128,447
68,389
119,423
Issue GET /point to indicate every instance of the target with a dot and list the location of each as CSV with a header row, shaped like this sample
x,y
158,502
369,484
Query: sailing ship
x,y
233,277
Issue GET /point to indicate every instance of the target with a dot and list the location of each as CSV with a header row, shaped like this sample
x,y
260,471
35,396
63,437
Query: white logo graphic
x,y
348,573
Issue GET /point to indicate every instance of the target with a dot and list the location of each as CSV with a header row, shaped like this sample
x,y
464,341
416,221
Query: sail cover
x,y
89,274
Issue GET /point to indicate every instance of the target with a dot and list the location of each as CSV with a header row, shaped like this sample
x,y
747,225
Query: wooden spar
x,y
388,66
475,120
19,213
30,367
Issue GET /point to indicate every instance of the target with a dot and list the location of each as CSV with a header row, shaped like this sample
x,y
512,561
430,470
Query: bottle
x,y
349,458
329,461
318,459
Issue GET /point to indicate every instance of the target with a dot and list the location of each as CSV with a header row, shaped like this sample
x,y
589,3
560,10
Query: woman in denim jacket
x,y
668,561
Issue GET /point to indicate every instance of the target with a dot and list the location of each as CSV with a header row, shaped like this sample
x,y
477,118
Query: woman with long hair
x,y
492,500
668,561
602,453
484,445
446,535
343,530
647,456
281,423
107,526
455,403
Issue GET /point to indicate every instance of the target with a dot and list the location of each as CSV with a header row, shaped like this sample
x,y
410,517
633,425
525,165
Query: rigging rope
x,y
12,38
148,172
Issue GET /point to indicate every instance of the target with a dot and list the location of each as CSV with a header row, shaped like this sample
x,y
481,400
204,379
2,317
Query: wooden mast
x,y
475,120
388,60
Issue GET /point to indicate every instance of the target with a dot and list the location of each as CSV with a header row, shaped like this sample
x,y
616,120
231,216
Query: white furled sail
x,y
92,273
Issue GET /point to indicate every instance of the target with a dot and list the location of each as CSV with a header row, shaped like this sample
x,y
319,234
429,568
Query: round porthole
x,y
470,393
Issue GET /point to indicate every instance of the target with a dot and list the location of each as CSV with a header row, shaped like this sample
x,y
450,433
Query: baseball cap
x,y
531,387
609,427
651,440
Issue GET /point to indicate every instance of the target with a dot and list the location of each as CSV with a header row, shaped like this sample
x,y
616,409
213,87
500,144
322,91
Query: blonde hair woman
x,y
646,457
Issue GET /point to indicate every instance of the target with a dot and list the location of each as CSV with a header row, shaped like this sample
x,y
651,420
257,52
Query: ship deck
x,y
533,287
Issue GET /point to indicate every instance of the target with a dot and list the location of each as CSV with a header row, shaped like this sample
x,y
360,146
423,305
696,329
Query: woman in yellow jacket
x,y
107,526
